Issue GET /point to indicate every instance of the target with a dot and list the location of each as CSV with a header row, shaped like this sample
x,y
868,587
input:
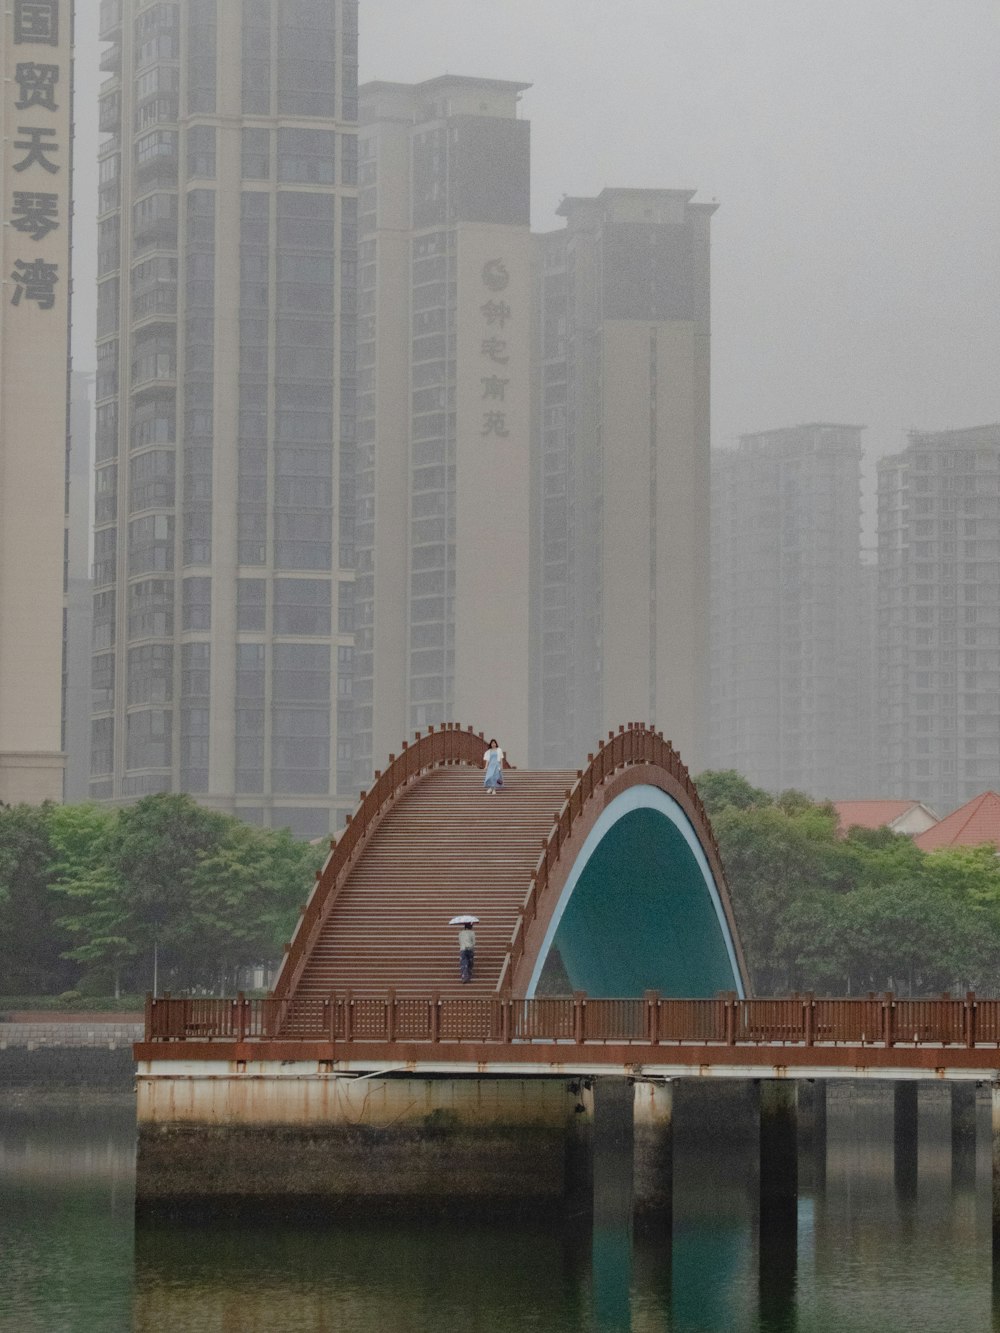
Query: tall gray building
x,y
225,404
791,612
939,617
621,472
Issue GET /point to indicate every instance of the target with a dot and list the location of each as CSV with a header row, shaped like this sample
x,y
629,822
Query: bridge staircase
x,y
389,926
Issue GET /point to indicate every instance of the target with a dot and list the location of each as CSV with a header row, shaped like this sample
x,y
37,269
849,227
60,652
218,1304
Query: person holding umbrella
x,y
466,943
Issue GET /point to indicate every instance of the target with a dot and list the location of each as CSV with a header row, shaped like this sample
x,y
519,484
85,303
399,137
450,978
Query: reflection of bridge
x,y
608,964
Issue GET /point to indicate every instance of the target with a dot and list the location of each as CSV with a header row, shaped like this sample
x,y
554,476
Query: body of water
x,y
873,1254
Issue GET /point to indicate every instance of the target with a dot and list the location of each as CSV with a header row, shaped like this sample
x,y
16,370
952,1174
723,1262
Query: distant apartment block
x,y
620,533
444,378
939,617
225,417
792,613
36,147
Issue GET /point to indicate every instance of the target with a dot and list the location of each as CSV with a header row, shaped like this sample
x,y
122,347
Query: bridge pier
x,y
963,1135
779,1170
995,1154
777,1232
653,1155
905,1138
812,1132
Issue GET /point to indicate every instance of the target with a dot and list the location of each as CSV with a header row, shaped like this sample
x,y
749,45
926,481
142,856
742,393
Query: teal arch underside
x,y
640,912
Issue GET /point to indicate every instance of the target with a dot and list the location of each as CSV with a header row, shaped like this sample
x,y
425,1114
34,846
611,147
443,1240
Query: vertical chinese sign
x,y
493,482
36,123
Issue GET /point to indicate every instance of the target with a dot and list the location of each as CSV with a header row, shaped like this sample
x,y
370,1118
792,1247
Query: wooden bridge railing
x,y
726,1020
633,744
447,744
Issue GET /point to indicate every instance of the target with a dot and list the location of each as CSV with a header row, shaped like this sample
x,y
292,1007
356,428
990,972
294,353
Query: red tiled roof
x,y
869,814
975,822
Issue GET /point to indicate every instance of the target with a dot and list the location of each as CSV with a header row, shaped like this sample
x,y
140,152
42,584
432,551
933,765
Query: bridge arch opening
x,y
640,910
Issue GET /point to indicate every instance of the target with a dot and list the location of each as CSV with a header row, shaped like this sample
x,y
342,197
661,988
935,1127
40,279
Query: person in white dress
x,y
493,759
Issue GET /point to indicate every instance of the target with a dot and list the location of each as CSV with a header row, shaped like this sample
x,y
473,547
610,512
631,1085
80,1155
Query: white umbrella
x,y
466,919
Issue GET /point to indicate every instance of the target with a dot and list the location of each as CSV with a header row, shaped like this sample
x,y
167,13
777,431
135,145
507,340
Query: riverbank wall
x,y
70,1054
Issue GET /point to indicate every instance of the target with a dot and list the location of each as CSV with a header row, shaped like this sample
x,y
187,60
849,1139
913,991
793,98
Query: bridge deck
x,y
797,1036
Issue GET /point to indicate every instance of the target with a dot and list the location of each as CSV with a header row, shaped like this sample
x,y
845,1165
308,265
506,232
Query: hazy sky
x,y
853,147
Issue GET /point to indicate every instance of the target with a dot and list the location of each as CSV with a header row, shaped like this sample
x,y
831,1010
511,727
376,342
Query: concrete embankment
x,y
82,1052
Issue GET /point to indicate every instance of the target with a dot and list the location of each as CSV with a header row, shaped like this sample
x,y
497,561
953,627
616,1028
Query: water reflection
x,y
866,1255
67,1185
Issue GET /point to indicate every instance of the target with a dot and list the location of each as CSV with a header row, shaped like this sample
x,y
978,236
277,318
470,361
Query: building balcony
x,y
111,59
155,302
161,234
109,197
158,171
109,119
153,374
110,20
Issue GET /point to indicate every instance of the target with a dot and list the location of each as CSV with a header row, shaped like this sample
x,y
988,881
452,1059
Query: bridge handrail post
x,y
809,1005
969,1018
652,998
888,1019
731,1001
348,1018
390,1014
506,1014
240,1007
434,1017
579,1016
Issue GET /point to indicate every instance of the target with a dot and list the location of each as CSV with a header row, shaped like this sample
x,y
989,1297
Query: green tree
x,y
245,894
31,940
910,937
96,908
724,789
769,860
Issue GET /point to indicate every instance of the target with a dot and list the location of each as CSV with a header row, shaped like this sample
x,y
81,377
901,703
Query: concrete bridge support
x,y
963,1135
777,1235
995,1154
812,1132
653,1155
298,1141
905,1138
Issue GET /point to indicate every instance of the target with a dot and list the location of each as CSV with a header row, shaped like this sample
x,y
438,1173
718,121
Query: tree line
x,y
845,915
106,900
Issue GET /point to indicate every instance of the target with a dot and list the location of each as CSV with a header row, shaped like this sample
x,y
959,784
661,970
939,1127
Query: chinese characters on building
x,y
32,210
493,350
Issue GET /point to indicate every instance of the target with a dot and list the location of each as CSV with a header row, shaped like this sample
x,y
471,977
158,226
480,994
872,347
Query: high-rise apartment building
x,y
621,512
791,612
939,617
79,592
444,377
225,413
36,114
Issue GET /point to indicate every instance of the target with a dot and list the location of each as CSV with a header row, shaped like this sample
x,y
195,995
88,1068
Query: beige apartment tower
x,y
225,405
621,480
443,461
35,171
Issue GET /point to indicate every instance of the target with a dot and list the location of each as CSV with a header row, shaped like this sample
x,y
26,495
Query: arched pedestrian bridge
x,y
606,880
